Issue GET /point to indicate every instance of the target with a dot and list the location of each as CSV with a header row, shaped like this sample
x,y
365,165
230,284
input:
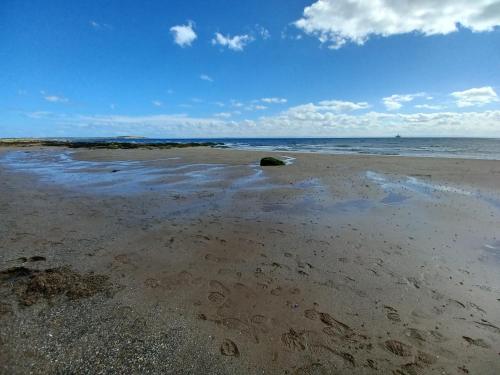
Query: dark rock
x,y
270,161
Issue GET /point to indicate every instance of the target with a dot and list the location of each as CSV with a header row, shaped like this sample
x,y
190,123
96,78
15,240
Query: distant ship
x,y
398,136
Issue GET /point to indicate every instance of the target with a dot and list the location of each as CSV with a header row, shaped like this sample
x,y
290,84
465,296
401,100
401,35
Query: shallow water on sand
x,y
398,190
128,177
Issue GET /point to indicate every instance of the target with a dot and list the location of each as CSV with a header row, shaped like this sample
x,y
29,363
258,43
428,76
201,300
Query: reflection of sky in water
x,y
129,177
126,177
394,198
116,176
396,189
492,250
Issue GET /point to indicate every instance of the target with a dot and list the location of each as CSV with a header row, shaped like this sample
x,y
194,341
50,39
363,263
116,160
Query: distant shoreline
x,y
101,145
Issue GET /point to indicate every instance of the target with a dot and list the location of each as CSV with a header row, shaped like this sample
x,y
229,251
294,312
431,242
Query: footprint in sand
x,y
408,369
313,369
218,286
244,290
235,323
216,297
413,281
398,348
5,309
456,303
122,258
335,328
294,340
152,283
415,334
276,291
260,323
392,314
238,325
371,364
258,319
229,348
311,314
487,325
477,342
347,358
173,281
425,358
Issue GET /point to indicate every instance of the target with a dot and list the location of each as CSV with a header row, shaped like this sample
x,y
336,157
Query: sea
x,y
468,148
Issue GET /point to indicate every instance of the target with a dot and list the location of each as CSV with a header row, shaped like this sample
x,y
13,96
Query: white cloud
x,y
255,107
337,22
236,103
429,106
341,106
274,100
235,43
334,106
206,77
475,97
223,114
309,121
100,26
39,114
395,102
262,31
157,103
184,35
54,98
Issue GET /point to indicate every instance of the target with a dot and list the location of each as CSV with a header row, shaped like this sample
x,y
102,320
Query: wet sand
x,y
197,261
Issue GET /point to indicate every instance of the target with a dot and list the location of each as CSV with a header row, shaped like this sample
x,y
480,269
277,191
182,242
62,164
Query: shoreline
x,y
359,146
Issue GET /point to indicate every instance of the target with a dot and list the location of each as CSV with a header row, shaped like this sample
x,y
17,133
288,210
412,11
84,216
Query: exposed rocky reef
x,y
102,144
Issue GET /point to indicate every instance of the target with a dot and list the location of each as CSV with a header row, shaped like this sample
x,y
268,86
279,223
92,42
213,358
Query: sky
x,y
273,68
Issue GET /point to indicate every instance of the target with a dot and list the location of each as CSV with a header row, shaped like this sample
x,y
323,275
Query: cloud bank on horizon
x,y
417,68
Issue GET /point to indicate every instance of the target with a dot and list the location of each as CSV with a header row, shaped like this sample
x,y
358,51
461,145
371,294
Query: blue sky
x,y
222,68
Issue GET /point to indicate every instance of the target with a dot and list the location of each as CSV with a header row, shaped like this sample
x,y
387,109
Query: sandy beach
x,y
199,261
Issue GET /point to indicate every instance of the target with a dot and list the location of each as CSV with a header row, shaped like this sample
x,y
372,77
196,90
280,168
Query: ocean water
x,y
469,148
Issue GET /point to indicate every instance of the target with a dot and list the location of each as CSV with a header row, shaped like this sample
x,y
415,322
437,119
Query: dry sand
x,y
198,261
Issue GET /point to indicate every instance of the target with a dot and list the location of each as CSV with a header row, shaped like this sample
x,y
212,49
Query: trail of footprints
x,y
330,337
345,339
